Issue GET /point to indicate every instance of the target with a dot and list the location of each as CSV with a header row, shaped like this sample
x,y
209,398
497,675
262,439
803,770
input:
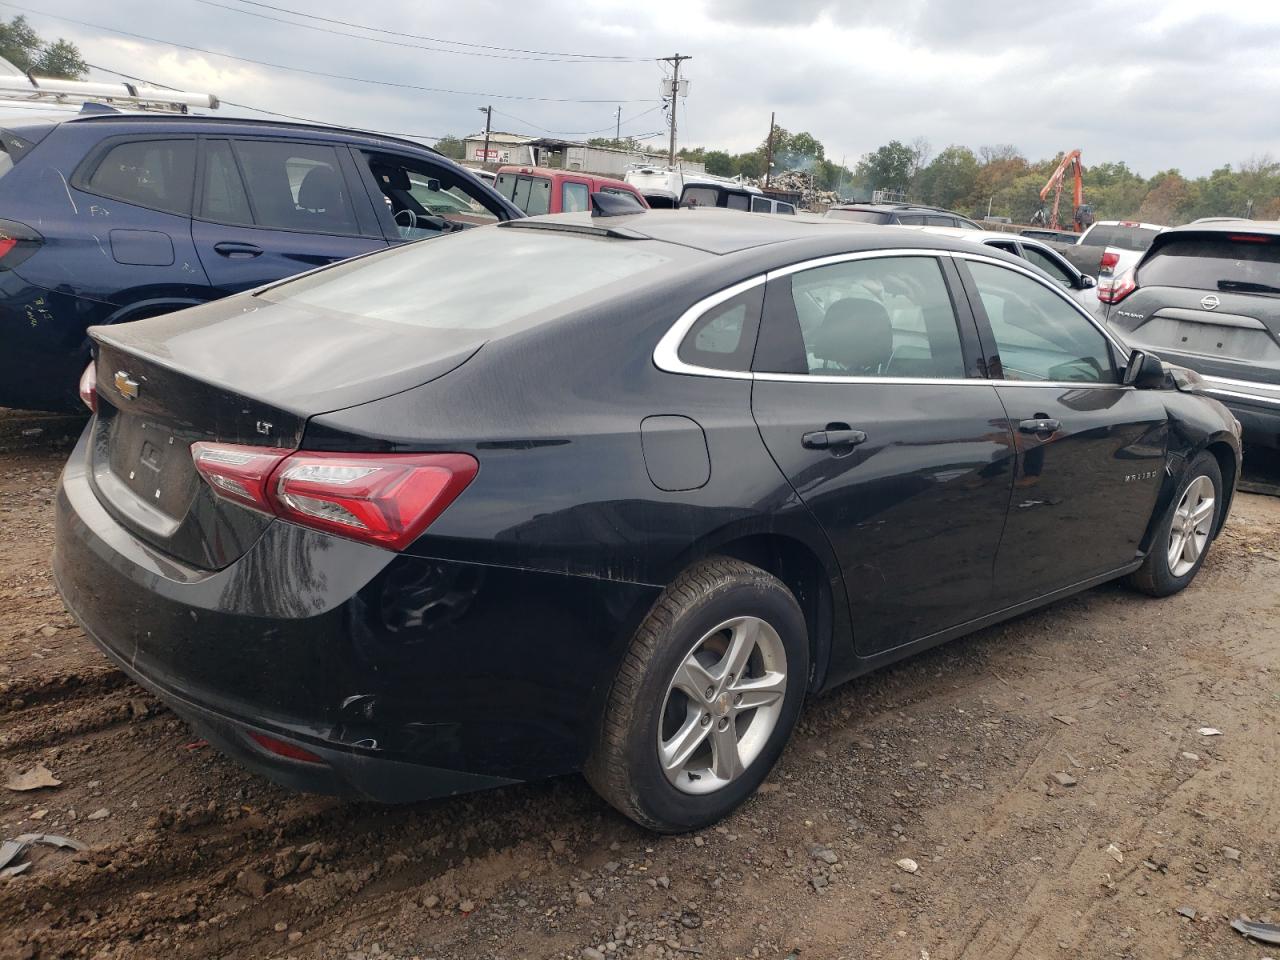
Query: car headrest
x,y
857,335
392,178
321,189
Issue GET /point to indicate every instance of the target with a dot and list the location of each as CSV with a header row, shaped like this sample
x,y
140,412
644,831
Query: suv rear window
x,y
860,216
156,174
477,280
1215,263
1125,238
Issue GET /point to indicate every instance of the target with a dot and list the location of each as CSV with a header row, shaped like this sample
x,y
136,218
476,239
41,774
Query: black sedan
x,y
609,494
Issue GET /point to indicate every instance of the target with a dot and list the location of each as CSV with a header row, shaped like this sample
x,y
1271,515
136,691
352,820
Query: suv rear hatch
x,y
1210,299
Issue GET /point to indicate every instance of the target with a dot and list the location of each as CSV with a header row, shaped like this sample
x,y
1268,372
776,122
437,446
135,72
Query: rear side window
x,y
878,317
914,219
156,174
759,205
786,208
724,337
1124,238
296,186
575,198
1243,263
222,195
859,216
737,201
478,280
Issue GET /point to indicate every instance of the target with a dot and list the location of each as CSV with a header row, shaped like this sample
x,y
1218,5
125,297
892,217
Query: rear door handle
x,y
237,251
1040,425
826,439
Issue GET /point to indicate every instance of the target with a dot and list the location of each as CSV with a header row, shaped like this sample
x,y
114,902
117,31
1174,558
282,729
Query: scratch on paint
x,y
70,198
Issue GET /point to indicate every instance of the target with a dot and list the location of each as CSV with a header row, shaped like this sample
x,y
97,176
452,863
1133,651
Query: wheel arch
x,y
1225,454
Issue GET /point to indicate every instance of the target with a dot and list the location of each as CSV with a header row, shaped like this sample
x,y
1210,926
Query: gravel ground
x,y
1046,777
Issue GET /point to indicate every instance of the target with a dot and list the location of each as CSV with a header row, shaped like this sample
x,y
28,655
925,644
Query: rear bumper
x,y
1255,405
408,678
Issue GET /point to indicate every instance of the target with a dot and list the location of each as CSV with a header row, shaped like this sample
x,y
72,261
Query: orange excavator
x,y
1082,212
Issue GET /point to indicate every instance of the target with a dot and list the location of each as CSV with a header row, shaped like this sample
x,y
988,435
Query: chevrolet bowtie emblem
x,y
127,386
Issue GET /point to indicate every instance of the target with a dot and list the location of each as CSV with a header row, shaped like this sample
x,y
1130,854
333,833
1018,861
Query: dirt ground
x,y
949,759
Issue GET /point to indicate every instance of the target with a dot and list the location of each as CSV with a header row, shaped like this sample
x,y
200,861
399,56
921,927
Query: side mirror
x,y
1144,372
1087,282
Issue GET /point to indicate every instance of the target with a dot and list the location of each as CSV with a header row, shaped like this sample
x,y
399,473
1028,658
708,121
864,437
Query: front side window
x,y
878,317
530,194
1038,334
296,186
157,174
759,205
1051,266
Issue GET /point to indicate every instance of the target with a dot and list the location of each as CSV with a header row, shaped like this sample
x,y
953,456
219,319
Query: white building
x,y
556,153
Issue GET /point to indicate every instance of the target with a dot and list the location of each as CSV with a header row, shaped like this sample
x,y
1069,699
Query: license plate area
x,y
1211,340
152,462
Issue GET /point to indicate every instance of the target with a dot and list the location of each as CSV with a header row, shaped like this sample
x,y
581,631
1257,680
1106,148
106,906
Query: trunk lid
x,y
237,373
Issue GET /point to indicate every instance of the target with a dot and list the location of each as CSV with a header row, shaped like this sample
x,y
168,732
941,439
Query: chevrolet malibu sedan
x,y
608,494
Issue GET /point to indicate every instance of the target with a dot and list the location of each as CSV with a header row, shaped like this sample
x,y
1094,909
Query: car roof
x,y
1222,225
963,233
1134,224
193,123
897,207
719,231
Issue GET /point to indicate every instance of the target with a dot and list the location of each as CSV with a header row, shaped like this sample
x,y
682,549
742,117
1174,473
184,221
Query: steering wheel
x,y
413,218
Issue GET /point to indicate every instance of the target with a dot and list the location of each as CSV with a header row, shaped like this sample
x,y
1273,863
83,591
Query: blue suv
x,y
107,217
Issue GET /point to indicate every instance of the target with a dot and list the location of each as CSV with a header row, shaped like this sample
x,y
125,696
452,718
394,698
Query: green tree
x,y
949,181
452,147
26,50
888,168
718,163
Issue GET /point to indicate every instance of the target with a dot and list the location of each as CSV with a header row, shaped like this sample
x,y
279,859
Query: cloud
x,y
1158,84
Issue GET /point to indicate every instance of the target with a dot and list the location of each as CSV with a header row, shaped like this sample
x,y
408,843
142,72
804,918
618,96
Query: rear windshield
x,y
861,216
1215,263
1126,238
482,278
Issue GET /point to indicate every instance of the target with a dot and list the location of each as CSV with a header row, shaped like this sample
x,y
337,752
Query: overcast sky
x,y
1156,83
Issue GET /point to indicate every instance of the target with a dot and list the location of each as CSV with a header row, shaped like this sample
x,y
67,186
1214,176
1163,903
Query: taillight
x,y
283,748
1120,288
237,472
89,387
17,243
387,499
1109,260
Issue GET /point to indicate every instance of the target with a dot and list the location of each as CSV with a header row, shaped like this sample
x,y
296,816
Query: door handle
x,y
1040,426
826,439
237,251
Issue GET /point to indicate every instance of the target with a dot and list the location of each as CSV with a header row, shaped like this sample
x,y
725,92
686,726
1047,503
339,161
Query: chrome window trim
x,y
666,355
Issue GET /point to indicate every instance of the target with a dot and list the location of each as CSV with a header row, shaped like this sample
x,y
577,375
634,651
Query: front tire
x,y
705,699
1185,532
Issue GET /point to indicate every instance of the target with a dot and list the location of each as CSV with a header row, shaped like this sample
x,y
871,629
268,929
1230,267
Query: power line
x,y
575,133
418,36
274,113
316,73
418,46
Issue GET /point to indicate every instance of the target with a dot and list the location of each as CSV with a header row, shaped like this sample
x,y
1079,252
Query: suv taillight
x,y
387,499
1120,288
17,243
1109,260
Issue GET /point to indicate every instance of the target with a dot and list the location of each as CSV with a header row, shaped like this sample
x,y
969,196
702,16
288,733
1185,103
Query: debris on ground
x,y
1115,853
1187,912
14,849
1209,732
909,865
34,779
1063,718
1262,932
1064,779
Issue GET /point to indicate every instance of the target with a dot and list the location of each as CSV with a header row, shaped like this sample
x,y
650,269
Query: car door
x,y
1091,451
868,395
270,208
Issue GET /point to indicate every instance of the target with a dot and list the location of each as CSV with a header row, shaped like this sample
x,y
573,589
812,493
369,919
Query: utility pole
x,y
617,127
675,92
768,151
488,119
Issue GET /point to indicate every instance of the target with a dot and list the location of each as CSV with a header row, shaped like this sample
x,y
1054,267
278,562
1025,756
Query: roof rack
x,y
131,95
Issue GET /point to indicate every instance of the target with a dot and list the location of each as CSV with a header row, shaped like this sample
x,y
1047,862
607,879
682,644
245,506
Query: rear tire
x,y
705,699
1185,532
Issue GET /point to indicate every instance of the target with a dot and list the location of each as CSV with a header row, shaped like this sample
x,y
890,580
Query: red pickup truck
x,y
537,190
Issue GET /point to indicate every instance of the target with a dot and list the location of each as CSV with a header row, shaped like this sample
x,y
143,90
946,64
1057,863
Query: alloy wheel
x,y
1192,524
722,705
